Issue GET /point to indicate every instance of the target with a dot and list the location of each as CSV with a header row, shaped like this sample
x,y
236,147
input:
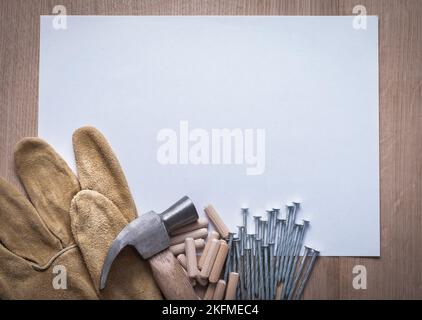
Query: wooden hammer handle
x,y
171,279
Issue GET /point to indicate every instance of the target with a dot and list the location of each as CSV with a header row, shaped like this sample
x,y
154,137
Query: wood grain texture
x,y
170,277
397,273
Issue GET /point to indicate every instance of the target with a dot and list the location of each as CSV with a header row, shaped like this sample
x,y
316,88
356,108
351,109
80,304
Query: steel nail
x,y
257,220
253,264
314,255
229,260
299,246
289,236
261,229
292,256
296,207
277,234
290,214
279,249
270,219
260,279
241,235
272,276
236,260
276,212
297,254
248,273
266,273
245,213
289,251
298,273
264,224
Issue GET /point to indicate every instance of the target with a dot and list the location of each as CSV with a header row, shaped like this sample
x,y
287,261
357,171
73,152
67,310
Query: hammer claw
x,y
123,239
149,233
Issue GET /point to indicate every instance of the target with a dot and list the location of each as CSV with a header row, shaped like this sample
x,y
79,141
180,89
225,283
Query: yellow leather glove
x,y
67,225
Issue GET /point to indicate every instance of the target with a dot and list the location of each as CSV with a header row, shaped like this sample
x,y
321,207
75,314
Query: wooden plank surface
x,y
397,273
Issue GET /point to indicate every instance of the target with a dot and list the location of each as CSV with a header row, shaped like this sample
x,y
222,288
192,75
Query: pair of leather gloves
x,y
68,224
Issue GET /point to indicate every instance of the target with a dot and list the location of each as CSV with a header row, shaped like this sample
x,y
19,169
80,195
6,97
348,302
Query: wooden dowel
x,y
215,218
180,248
209,259
278,291
191,262
219,262
219,290
198,224
195,234
182,259
192,281
211,236
232,286
209,294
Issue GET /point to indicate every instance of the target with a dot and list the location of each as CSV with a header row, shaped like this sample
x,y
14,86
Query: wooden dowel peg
x,y
209,294
219,290
192,281
191,262
198,224
211,236
195,234
180,248
232,286
182,259
279,291
219,262
209,259
215,218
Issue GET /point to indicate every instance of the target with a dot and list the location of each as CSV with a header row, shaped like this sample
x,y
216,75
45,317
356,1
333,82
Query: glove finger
x,y
99,170
50,184
96,221
22,231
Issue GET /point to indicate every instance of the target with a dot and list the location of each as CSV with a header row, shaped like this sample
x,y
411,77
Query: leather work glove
x,y
68,225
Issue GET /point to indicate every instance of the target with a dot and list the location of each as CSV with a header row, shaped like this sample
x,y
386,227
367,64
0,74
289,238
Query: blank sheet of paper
x,y
233,111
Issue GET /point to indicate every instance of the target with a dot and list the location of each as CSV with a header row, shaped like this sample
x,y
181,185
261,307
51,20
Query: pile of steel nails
x,y
269,261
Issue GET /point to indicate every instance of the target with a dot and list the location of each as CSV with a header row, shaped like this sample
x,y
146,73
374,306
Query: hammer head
x,y
149,233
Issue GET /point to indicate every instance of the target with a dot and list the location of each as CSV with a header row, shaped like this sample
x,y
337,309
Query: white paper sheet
x,y
310,83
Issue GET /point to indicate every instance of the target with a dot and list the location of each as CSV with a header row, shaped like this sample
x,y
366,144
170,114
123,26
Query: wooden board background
x,y
398,273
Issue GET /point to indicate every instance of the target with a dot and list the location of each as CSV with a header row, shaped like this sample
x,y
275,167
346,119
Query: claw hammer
x,y
149,234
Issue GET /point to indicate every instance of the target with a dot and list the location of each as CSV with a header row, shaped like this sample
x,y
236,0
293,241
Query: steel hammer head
x,y
149,233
